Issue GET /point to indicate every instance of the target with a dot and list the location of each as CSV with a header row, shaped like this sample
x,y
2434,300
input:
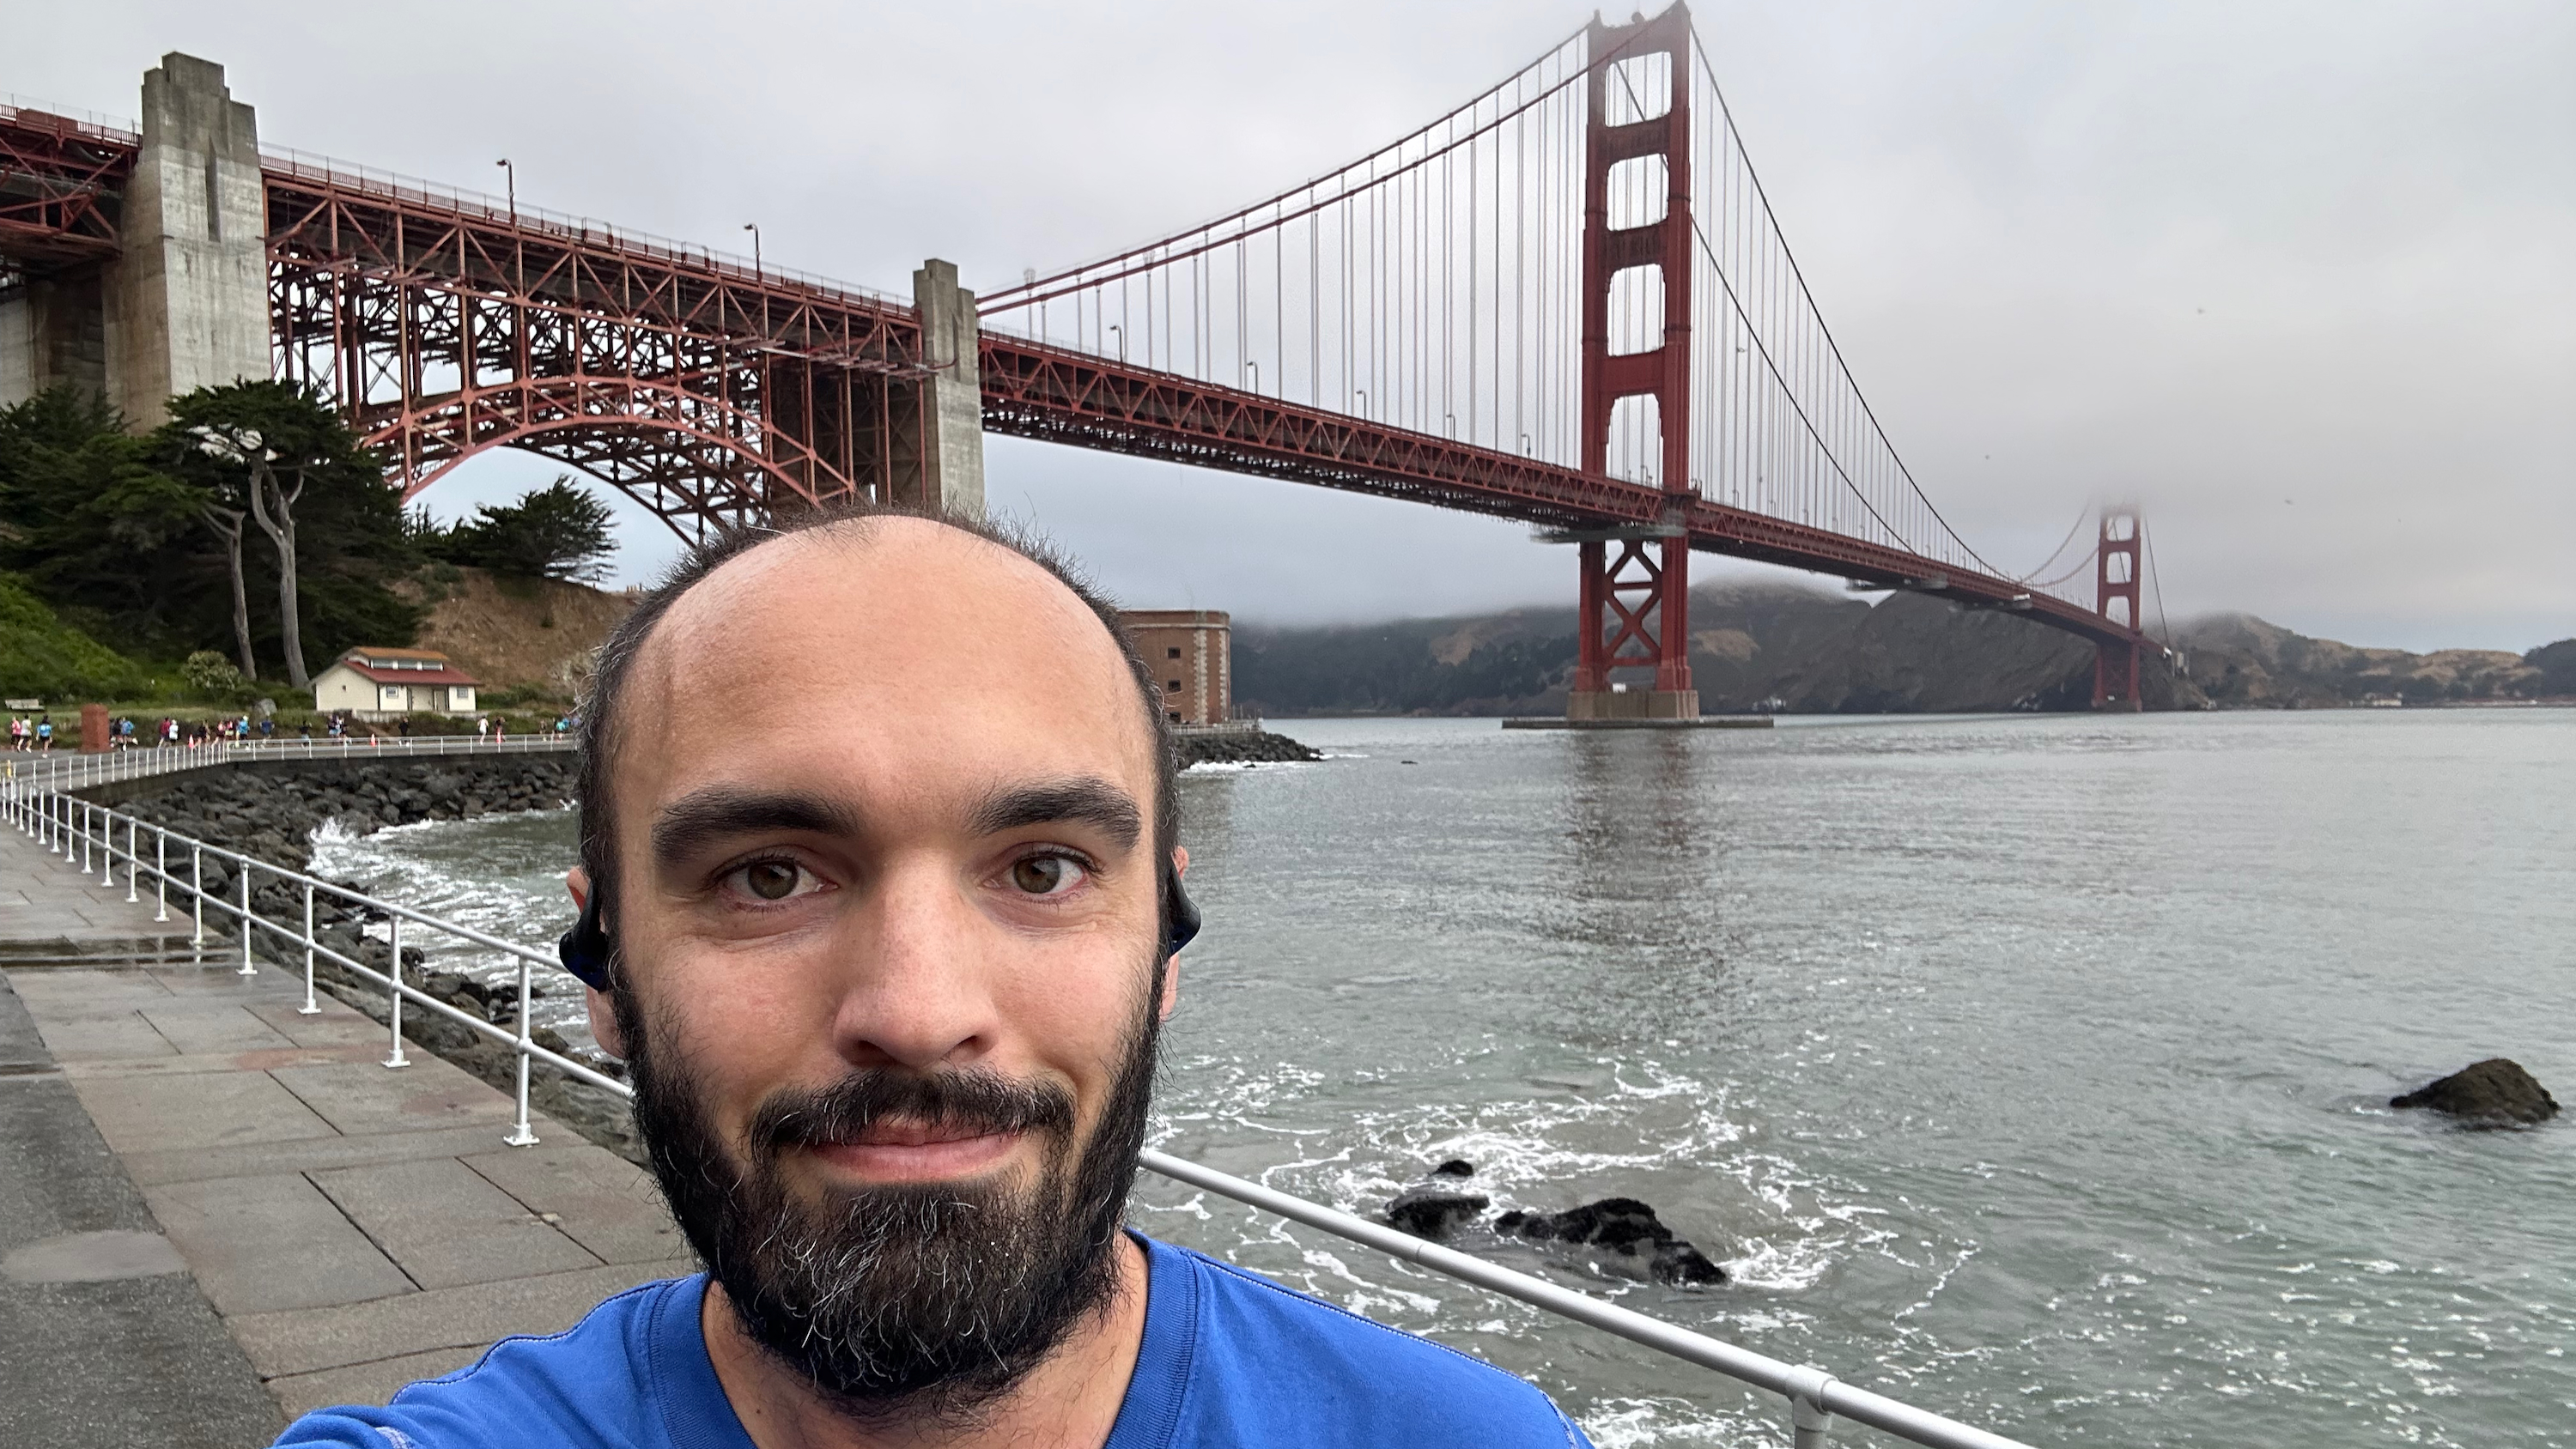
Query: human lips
x,y
898,1150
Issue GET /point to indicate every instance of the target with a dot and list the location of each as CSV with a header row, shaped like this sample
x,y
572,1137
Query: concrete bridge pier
x,y
942,439
184,303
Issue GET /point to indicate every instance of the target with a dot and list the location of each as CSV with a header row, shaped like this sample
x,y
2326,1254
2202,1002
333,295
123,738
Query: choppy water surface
x,y
2026,1069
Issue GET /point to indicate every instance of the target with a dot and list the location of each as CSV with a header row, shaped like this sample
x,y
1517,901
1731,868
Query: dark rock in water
x,y
1435,1211
1455,1167
1624,1226
1248,747
2496,1092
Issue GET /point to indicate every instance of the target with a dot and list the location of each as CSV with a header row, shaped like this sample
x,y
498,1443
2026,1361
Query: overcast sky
x,y
2299,278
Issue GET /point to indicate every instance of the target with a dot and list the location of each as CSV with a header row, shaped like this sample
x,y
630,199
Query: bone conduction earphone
x,y
585,948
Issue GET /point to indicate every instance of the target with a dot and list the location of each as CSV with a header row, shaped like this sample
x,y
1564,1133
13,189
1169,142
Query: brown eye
x,y
1046,875
771,880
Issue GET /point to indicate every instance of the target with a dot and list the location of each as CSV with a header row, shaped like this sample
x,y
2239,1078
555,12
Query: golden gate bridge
x,y
1567,301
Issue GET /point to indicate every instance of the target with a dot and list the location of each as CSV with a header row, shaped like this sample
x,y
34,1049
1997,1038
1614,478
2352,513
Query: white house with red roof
x,y
377,683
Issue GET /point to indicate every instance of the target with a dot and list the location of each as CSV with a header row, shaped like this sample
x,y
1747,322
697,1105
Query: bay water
x,y
2033,1070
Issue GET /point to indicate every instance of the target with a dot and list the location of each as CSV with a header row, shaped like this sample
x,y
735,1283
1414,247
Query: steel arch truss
x,y
61,185
714,396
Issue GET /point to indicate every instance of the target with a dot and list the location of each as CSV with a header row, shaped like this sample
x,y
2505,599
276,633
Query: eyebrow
x,y
719,812
1085,799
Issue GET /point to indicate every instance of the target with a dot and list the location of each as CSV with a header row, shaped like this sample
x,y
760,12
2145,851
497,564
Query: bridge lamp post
x,y
754,228
1255,369
1122,340
510,179
1362,394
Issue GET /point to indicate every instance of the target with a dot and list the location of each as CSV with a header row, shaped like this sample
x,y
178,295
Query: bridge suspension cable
x,y
1435,286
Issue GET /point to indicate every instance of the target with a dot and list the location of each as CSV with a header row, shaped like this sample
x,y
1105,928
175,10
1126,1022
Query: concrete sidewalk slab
x,y
443,1318
325,1028
259,1244
213,1028
365,1383
107,1036
361,1098
600,1200
315,1154
266,1059
153,1113
446,1225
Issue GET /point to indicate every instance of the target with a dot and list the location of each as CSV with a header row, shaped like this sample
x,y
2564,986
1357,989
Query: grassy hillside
x,y
41,657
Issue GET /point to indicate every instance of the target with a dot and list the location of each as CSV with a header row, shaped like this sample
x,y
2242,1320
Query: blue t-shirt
x,y
1228,1359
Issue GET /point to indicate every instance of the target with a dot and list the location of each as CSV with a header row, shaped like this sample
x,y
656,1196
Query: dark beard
x,y
927,1301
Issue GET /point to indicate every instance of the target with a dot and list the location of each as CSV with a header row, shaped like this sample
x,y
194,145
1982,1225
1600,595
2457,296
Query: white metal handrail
x,y
84,835
74,770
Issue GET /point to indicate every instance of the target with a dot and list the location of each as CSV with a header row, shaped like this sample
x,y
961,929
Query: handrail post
x,y
310,1007
160,874
1811,1426
197,867
247,969
397,1059
133,859
523,1135
106,846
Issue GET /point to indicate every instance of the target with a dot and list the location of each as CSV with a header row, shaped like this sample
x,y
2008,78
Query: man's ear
x,y
603,1022
603,1012
1172,965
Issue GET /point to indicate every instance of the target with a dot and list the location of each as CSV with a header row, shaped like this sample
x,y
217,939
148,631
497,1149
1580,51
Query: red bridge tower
x,y
1635,607
2115,595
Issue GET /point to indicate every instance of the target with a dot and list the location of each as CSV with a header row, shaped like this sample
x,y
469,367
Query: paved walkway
x,y
339,1228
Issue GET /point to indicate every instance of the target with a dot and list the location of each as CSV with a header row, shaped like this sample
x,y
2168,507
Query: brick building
x,y
1190,652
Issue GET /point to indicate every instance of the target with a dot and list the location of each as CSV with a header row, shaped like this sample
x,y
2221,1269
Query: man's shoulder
x,y
1271,1351
595,1383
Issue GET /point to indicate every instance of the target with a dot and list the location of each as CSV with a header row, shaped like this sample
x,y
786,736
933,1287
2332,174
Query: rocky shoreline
x,y
271,811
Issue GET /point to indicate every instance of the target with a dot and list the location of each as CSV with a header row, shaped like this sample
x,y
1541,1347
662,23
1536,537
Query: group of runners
x,y
37,733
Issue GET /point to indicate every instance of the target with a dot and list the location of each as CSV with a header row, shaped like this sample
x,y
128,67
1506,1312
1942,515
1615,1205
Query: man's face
x,y
887,917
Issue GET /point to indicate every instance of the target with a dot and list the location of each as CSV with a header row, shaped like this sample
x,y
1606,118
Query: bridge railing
x,y
558,225
85,836
119,130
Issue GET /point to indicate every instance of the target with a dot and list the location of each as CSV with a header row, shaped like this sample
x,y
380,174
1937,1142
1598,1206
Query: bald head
x,y
841,625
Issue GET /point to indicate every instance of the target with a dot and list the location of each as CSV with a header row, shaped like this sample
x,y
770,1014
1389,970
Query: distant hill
x,y
2240,660
1827,653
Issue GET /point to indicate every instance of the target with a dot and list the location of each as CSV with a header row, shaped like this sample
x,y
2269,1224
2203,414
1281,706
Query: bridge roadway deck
x,y
217,1213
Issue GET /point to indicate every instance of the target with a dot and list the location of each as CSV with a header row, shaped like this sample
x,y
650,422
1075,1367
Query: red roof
x,y
440,671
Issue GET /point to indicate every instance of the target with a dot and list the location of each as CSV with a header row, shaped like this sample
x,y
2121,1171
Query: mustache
x,y
969,1101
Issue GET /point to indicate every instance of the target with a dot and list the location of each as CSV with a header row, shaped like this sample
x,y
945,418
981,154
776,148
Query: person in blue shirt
x,y
890,993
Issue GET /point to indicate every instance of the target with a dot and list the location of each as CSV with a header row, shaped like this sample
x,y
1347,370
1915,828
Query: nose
x,y
915,988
